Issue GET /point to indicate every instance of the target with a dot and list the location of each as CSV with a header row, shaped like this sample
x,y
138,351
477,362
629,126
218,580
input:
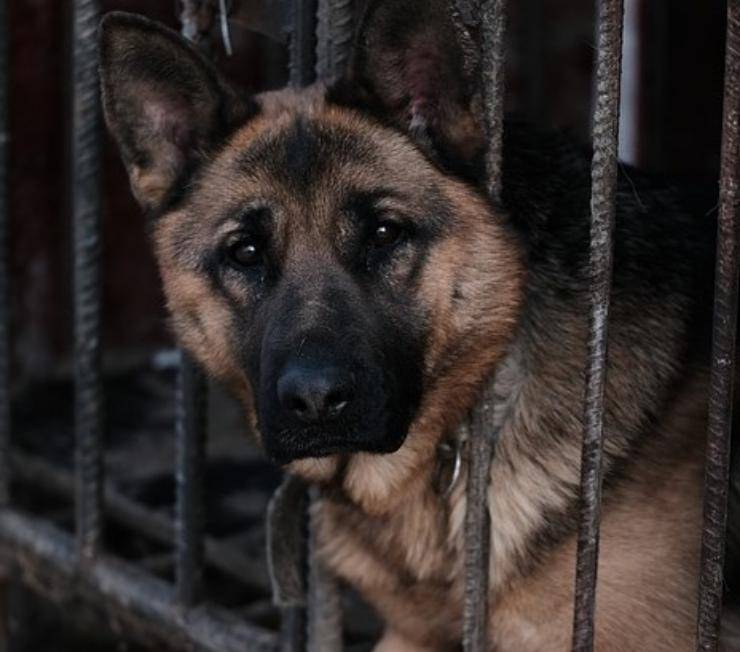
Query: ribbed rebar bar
x,y
324,603
335,29
493,71
190,433
333,24
482,428
716,481
5,350
481,442
603,210
86,207
302,43
192,401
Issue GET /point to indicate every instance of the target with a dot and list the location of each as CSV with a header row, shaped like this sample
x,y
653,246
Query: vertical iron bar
x,y
603,210
4,611
493,70
190,456
716,480
335,30
5,350
86,207
324,604
302,40
478,528
4,309
482,432
190,429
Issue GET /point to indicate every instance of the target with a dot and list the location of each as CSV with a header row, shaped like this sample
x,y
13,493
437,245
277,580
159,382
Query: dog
x,y
331,255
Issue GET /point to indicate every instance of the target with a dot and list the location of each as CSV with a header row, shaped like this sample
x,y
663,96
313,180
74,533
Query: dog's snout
x,y
316,393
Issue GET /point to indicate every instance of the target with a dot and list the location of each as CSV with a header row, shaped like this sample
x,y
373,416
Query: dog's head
x,y
326,252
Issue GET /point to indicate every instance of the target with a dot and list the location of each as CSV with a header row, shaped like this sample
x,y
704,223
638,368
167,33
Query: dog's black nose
x,y
314,393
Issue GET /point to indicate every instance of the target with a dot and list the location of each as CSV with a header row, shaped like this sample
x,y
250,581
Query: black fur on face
x,y
372,343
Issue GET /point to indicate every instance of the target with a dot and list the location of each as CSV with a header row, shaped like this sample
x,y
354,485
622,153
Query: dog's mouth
x,y
296,444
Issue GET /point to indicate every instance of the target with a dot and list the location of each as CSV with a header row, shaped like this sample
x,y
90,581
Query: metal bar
x,y
481,443
155,525
45,559
87,284
493,71
335,30
717,470
191,426
483,433
5,350
189,480
324,600
302,40
603,209
302,69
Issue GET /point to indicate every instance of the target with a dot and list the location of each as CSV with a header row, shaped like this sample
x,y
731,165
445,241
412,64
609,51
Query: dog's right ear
x,y
165,105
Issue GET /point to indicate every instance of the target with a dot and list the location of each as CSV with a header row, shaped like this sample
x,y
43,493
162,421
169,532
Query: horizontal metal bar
x,y
157,526
717,469
603,211
45,558
86,199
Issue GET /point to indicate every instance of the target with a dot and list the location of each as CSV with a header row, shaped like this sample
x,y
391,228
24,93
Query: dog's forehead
x,y
299,149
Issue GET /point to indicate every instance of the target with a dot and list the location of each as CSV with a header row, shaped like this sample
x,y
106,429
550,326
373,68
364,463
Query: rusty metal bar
x,y
493,71
481,444
302,43
44,557
605,136
483,433
4,262
189,479
717,469
192,398
324,631
86,205
335,30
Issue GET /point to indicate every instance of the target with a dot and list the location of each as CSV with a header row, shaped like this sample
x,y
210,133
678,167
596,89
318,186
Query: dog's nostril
x,y
313,394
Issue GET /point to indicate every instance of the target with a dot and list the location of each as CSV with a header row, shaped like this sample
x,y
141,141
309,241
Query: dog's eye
x,y
386,234
244,253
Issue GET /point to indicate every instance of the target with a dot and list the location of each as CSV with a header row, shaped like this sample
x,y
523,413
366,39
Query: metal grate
x,y
320,47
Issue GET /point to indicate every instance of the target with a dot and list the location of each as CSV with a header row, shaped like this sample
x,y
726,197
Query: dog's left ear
x,y
415,66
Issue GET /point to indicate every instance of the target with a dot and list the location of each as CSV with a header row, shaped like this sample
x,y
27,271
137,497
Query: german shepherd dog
x,y
332,256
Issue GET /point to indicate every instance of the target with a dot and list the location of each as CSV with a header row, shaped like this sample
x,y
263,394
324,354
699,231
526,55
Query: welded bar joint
x,y
717,468
603,210
5,349
86,149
